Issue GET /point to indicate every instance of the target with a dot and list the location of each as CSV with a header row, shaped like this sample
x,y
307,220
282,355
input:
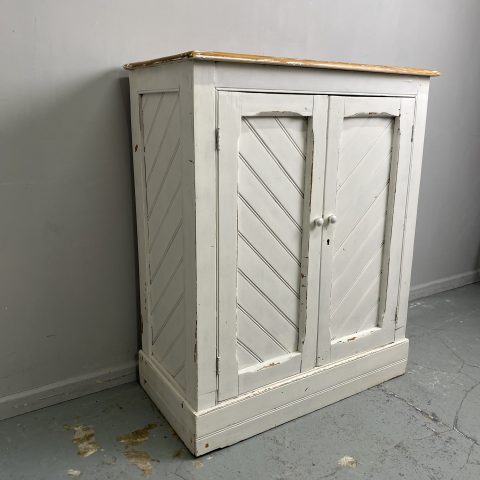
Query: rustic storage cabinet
x,y
276,204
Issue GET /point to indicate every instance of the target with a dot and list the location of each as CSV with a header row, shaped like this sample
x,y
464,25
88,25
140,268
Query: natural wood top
x,y
291,62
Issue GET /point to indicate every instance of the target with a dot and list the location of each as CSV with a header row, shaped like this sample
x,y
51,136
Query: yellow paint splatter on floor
x,y
84,438
141,460
137,436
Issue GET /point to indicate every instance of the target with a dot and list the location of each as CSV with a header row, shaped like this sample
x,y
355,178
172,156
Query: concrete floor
x,y
423,425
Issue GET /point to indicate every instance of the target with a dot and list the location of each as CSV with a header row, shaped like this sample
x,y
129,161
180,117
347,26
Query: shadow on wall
x,y
68,258
478,262
125,92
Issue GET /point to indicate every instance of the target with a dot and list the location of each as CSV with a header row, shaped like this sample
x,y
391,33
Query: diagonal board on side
x,y
160,115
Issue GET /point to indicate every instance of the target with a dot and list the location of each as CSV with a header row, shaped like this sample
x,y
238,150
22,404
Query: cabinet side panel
x,y
160,126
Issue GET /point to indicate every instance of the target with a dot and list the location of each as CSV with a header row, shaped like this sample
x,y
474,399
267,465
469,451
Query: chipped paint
x,y
84,438
371,114
137,436
270,365
348,462
278,113
142,460
74,473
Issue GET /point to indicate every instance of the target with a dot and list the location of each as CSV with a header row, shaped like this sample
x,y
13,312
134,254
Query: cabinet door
x,y
366,181
269,175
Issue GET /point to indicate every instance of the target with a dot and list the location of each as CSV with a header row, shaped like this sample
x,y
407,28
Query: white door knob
x,y
332,219
318,221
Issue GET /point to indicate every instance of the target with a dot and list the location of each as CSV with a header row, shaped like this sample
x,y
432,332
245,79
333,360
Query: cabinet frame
x,y
202,422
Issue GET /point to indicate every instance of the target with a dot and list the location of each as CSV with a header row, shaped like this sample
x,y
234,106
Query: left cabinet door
x,y
270,192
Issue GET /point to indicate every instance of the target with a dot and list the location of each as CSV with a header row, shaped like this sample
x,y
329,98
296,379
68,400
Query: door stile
x,y
397,204
312,233
229,120
335,120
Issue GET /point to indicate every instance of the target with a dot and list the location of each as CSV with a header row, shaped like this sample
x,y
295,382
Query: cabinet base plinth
x,y
254,412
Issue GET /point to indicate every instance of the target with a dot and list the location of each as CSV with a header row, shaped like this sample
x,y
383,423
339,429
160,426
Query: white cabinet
x,y
276,210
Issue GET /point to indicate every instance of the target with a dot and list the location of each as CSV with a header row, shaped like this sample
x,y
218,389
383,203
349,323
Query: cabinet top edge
x,y
290,62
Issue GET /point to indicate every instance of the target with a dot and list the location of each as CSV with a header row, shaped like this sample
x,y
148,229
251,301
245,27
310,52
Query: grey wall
x,y
67,246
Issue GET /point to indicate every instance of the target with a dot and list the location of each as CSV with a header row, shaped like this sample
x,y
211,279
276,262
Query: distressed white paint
x,y
366,189
263,218
282,310
160,129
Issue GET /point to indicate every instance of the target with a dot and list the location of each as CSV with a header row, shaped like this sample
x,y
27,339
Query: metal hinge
x,y
413,130
218,364
217,139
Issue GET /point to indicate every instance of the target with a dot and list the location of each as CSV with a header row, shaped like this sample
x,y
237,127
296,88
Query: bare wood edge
x,y
285,61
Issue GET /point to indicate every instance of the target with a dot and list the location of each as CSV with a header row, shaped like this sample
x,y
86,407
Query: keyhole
x,y
328,241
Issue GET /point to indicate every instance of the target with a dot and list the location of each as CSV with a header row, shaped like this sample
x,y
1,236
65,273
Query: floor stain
x,y
137,436
348,462
198,463
142,460
178,453
84,438
74,473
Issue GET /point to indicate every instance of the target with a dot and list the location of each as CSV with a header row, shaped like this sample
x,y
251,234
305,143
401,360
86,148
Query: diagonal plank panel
x,y
161,137
362,192
270,209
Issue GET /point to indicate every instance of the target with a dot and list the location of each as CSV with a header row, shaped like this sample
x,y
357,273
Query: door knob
x,y
318,221
332,219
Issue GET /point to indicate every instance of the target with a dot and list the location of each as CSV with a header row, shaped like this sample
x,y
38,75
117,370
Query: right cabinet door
x,y
366,186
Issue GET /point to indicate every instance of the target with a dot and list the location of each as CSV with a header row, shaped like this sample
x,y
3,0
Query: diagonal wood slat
x,y
266,313
254,232
253,195
276,140
161,137
295,133
270,211
363,175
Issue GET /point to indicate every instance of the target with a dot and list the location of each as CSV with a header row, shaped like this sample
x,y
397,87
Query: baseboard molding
x,y
444,284
58,392
27,401
254,412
